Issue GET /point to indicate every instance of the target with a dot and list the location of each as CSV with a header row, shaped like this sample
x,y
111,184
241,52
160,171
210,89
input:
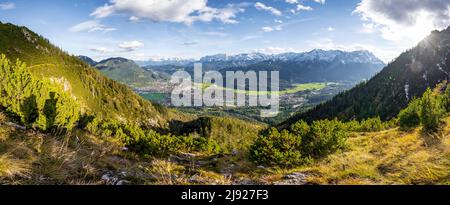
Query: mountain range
x,y
294,68
319,66
245,59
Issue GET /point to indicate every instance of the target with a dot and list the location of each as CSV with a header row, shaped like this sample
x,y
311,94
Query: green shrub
x,y
326,137
428,111
372,125
301,128
150,142
299,145
446,98
352,126
277,149
409,118
36,103
201,144
153,143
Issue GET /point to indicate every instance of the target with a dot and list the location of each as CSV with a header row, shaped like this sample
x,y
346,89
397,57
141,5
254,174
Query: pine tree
x,y
432,111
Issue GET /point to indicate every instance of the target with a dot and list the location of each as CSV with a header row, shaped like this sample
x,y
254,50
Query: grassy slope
x,y
27,157
233,133
95,92
388,157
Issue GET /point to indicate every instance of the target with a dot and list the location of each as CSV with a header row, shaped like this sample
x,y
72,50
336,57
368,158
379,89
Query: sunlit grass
x,y
10,167
389,157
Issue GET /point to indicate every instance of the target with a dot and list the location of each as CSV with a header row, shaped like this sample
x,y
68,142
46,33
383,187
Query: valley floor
x,y
388,157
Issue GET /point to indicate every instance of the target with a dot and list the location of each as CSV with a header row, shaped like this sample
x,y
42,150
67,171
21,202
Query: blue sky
x,y
144,29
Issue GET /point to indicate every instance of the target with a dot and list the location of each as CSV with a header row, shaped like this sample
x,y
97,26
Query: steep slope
x,y
127,72
55,88
95,93
388,92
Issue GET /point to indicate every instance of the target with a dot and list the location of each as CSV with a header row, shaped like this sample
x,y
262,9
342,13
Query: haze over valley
x,y
307,79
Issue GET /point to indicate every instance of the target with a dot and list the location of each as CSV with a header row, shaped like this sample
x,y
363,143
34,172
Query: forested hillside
x,y
128,72
95,93
388,92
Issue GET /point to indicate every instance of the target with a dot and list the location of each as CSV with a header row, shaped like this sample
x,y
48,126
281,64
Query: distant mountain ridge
x,y
317,54
165,61
245,59
125,71
87,60
299,72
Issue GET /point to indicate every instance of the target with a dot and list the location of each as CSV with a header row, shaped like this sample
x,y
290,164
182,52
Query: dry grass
x,y
166,172
2,117
28,157
389,157
10,167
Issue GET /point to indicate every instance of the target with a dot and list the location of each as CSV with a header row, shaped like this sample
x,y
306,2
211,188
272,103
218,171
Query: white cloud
x,y
190,43
90,26
301,7
292,1
130,45
330,29
320,1
176,11
404,22
367,28
275,50
134,18
126,49
268,29
7,6
139,57
100,50
213,33
274,11
103,11
251,37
